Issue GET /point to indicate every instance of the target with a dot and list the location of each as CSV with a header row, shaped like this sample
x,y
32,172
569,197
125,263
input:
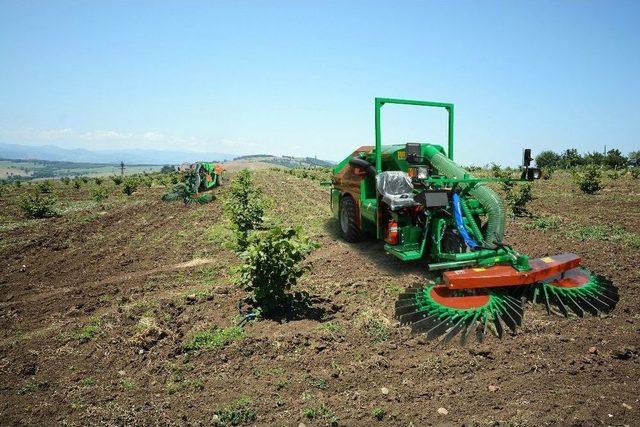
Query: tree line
x,y
570,158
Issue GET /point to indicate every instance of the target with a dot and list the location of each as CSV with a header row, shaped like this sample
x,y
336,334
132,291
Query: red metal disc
x,y
573,278
443,296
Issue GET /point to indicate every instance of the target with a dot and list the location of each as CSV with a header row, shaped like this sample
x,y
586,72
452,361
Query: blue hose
x,y
457,216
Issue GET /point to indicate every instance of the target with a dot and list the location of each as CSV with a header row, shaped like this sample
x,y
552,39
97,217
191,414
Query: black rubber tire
x,y
348,220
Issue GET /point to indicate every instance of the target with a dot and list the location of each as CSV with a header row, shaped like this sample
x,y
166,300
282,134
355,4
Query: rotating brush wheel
x,y
576,290
438,311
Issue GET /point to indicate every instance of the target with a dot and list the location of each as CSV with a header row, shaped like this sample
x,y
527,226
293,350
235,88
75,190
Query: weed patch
x,y
378,329
208,274
267,372
378,413
605,233
127,384
217,337
320,383
236,413
220,234
331,327
179,384
544,223
87,382
320,412
32,386
88,332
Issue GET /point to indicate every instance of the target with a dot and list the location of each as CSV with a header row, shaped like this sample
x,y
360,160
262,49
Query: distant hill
x,y
18,169
288,161
80,155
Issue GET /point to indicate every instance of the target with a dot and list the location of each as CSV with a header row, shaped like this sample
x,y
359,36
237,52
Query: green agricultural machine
x,y
426,207
200,179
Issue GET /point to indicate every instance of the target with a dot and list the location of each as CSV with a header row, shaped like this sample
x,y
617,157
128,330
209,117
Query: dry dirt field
x,y
98,305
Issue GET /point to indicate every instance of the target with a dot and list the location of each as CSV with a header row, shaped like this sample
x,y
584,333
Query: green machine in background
x,y
199,181
426,207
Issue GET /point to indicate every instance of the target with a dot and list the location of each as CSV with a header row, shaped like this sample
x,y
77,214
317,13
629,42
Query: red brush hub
x,y
446,297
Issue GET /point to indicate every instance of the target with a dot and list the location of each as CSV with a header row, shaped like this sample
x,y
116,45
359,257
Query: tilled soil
x,y
96,307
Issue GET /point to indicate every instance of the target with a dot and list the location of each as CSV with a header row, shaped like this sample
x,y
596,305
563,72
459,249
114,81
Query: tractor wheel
x,y
349,220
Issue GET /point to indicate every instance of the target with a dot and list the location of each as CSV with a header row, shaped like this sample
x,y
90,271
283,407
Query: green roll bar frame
x,y
379,102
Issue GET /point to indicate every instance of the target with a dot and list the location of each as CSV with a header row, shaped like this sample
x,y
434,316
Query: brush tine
x,y
413,317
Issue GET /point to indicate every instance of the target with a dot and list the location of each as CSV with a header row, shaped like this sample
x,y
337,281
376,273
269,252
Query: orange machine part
x,y
442,296
571,279
505,275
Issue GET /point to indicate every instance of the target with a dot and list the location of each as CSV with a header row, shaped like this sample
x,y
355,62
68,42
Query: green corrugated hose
x,y
488,198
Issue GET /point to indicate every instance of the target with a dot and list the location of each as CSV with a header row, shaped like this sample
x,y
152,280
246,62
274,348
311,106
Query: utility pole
x,y
122,168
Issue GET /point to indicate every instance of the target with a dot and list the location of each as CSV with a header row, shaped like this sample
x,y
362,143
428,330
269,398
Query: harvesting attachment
x,y
576,291
199,180
439,311
426,207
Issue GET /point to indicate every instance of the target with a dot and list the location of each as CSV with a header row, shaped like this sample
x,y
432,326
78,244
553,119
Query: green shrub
x,y
38,204
44,187
272,265
518,198
498,172
244,206
99,194
635,172
65,180
547,159
548,173
84,179
588,179
613,174
117,179
77,184
98,180
129,186
17,183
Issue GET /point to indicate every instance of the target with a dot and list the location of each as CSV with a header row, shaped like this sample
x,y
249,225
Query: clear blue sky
x,y
299,77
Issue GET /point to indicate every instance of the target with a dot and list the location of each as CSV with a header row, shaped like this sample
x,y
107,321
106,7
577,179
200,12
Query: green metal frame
x,y
379,102
417,238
